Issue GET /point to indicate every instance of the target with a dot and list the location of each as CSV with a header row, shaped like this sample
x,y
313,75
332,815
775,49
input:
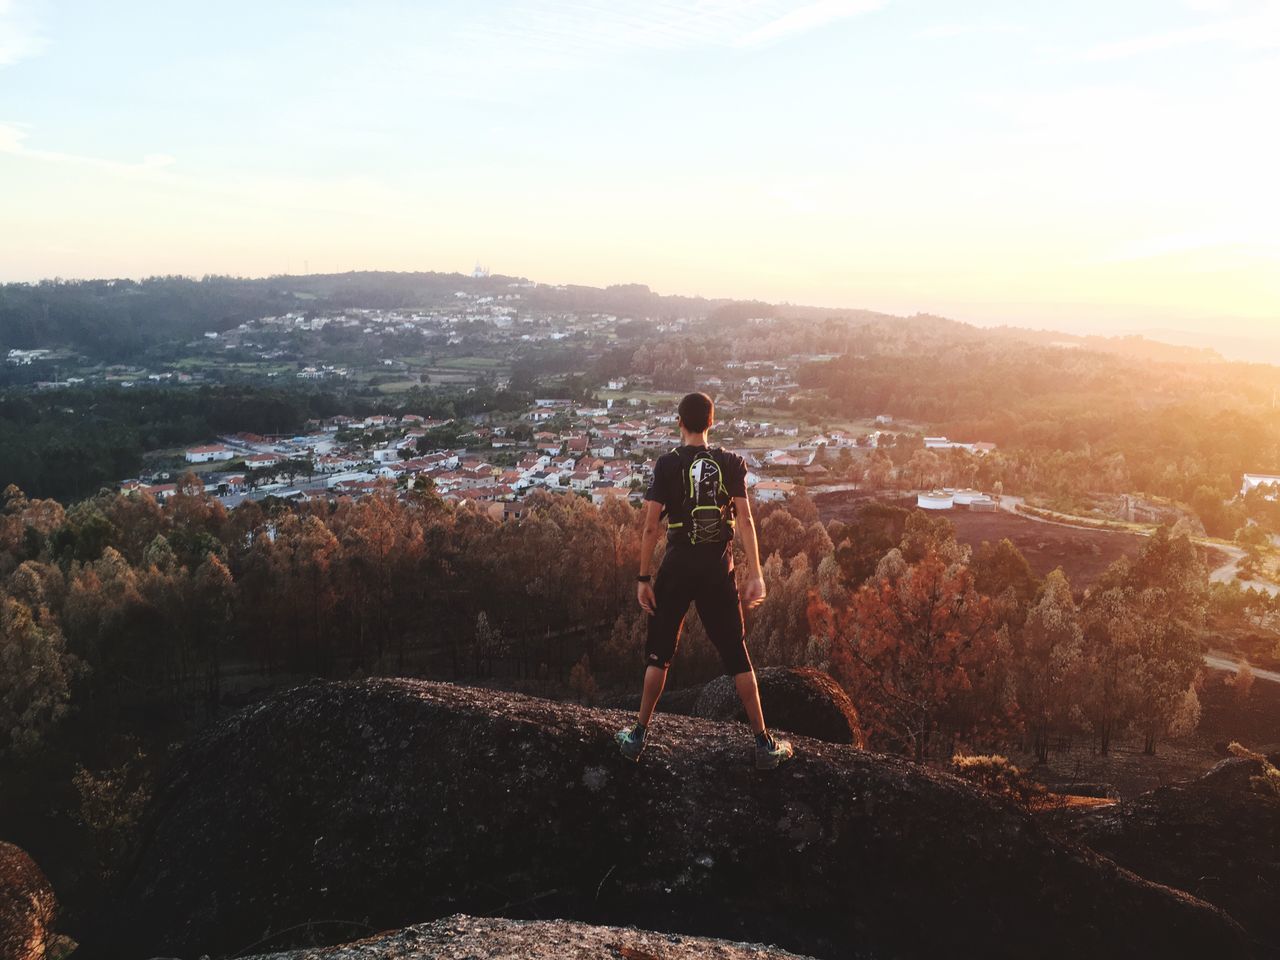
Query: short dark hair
x,y
697,412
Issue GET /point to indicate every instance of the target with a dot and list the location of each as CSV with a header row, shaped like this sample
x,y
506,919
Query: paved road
x,y
1224,573
1219,660
308,486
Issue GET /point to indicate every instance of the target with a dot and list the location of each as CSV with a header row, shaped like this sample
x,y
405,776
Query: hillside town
x,y
594,452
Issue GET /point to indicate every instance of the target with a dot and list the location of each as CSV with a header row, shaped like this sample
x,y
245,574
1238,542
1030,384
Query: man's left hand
x,y
753,592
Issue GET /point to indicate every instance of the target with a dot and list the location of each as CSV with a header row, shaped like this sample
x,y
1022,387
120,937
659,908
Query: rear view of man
x,y
701,492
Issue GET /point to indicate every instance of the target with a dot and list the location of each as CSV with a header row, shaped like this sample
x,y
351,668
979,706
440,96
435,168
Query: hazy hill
x,y
118,319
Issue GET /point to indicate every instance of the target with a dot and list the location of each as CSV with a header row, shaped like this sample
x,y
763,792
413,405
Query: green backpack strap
x,y
708,506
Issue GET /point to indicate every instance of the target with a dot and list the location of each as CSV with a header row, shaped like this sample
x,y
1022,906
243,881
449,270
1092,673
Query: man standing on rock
x,y
701,492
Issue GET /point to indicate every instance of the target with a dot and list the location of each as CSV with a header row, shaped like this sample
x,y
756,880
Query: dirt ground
x,y
1075,766
1082,554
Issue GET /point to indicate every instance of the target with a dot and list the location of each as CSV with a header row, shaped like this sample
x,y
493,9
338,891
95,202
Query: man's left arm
x,y
753,591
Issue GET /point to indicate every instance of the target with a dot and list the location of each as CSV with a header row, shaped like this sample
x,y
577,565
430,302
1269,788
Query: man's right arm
x,y
648,541
649,535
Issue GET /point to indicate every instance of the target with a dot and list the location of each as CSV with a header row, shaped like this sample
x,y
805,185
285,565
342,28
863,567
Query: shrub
x,y
111,806
1268,781
1242,682
582,683
995,773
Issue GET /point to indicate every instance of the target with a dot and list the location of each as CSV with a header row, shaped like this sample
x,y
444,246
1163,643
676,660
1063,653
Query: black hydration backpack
x,y
707,514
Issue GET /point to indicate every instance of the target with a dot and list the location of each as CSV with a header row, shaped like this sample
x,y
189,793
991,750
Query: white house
x,y
1254,480
353,477
208,454
774,490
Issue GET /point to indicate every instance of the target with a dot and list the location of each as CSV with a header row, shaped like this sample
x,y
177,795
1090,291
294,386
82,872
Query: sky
x,y
1097,166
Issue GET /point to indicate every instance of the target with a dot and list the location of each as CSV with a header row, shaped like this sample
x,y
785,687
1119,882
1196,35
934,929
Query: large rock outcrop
x,y
484,938
1215,837
27,906
679,702
799,700
391,802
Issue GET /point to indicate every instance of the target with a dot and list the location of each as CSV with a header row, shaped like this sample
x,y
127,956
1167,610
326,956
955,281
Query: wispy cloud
x,y
946,31
1223,236
356,196
13,141
20,35
806,18
1258,29
589,28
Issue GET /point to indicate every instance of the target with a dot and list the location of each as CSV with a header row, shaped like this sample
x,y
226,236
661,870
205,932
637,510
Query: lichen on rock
x,y
280,822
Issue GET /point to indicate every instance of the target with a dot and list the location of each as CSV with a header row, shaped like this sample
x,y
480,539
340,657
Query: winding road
x,y
1223,573
1221,660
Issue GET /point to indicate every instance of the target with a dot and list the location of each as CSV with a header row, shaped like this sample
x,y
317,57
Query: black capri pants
x,y
701,575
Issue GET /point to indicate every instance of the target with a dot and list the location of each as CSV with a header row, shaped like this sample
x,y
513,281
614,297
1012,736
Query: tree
x,y
582,683
843,465
1111,654
1169,584
781,533
213,603
1002,573
925,534
879,470
913,649
485,644
924,469
1252,539
1242,682
36,673
876,528
778,631
1048,661
1142,622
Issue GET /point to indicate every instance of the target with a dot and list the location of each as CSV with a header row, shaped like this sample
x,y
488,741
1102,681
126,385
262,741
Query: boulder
x,y
483,938
798,700
680,702
1215,837
27,906
390,802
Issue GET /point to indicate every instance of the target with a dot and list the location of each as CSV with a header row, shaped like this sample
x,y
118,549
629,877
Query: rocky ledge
x,y
1217,837
483,938
794,699
391,802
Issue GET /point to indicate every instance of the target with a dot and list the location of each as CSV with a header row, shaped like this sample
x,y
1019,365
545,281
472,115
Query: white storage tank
x,y
963,498
935,500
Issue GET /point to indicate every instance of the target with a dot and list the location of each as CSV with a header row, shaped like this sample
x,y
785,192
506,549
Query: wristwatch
x,y
644,578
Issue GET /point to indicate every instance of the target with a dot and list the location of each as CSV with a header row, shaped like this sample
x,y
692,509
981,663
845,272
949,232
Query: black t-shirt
x,y
668,483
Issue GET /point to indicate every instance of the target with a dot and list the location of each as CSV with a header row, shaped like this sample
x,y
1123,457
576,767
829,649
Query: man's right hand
x,y
753,592
644,593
